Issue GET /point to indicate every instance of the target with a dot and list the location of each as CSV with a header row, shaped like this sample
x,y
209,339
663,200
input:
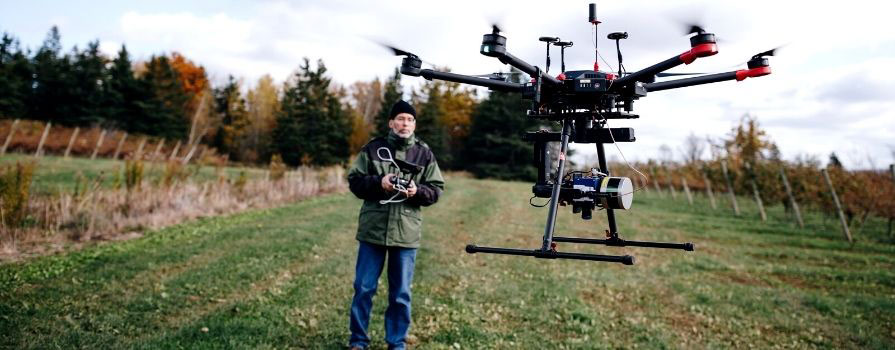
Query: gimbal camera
x,y
583,101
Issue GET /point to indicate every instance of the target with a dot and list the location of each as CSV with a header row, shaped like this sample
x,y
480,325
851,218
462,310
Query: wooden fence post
x,y
99,142
139,154
12,130
174,153
838,206
656,184
671,185
158,148
71,141
189,155
708,189
792,199
733,197
120,144
756,194
43,138
687,190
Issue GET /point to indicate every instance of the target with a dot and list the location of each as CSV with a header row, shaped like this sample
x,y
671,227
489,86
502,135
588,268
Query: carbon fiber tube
x,y
623,243
679,83
622,259
497,85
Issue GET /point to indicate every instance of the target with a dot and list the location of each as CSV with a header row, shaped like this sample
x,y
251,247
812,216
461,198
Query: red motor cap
x,y
610,76
561,76
752,73
596,66
701,50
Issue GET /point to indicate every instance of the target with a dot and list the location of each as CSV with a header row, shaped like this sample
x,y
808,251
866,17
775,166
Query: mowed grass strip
x,y
282,278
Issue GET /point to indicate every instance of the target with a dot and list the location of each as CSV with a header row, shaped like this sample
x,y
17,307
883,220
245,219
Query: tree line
x,y
307,120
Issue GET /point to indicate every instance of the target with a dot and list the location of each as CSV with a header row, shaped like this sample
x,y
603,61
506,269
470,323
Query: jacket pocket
x,y
411,225
372,224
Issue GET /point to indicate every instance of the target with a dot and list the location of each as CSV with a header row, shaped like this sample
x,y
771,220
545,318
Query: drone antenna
x,y
549,40
562,52
618,36
592,18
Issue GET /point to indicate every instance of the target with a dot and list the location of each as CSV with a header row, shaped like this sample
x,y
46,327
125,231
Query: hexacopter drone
x,y
583,101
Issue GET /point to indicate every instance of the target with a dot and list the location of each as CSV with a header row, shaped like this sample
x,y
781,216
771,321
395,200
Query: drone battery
x,y
611,192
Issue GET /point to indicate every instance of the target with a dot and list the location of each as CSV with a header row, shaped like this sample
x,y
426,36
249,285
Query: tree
x,y
429,129
312,126
264,104
393,92
15,78
495,147
230,108
366,100
125,95
164,108
51,98
748,142
88,83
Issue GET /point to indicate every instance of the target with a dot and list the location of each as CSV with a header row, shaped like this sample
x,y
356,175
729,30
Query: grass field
x,y
281,278
54,174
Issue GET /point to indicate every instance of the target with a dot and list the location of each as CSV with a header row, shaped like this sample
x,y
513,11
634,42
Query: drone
x,y
583,101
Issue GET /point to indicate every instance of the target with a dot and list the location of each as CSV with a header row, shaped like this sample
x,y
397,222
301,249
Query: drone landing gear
x,y
586,134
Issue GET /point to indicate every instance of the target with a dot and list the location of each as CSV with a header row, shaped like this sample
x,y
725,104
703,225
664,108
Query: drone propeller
x,y
397,51
770,52
495,29
694,28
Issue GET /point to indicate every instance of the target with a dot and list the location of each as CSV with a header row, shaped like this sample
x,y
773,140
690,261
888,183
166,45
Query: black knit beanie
x,y
401,107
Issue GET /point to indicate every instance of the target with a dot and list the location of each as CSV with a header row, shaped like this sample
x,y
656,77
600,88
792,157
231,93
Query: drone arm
x,y
648,74
508,58
496,85
739,75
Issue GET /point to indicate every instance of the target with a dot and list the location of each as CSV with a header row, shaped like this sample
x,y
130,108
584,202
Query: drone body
x,y
583,101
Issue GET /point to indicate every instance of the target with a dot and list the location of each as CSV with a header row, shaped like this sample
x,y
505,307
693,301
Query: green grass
x,y
57,174
281,278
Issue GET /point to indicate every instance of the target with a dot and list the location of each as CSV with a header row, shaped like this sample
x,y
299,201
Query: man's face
x,y
403,125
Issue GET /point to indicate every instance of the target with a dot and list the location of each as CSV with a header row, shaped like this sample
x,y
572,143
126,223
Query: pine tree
x,y
393,92
312,126
51,99
125,95
164,108
231,109
495,147
429,111
88,80
15,78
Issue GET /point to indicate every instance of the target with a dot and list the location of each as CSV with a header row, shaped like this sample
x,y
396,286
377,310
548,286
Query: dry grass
x,y
71,219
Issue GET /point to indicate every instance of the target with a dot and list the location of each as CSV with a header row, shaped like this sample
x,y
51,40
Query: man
x,y
389,226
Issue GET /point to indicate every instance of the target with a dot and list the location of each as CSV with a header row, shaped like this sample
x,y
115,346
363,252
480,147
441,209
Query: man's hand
x,y
387,183
411,191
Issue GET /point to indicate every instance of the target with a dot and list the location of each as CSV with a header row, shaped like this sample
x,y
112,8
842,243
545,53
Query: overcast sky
x,y
832,88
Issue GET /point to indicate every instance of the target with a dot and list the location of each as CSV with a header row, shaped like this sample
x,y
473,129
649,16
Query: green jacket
x,y
393,224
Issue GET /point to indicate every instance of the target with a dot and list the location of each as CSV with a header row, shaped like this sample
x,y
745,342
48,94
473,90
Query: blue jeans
x,y
370,259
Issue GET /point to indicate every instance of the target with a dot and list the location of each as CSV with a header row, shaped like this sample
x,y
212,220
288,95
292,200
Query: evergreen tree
x,y
15,78
393,92
165,105
495,147
231,109
312,126
126,96
51,99
429,128
88,80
